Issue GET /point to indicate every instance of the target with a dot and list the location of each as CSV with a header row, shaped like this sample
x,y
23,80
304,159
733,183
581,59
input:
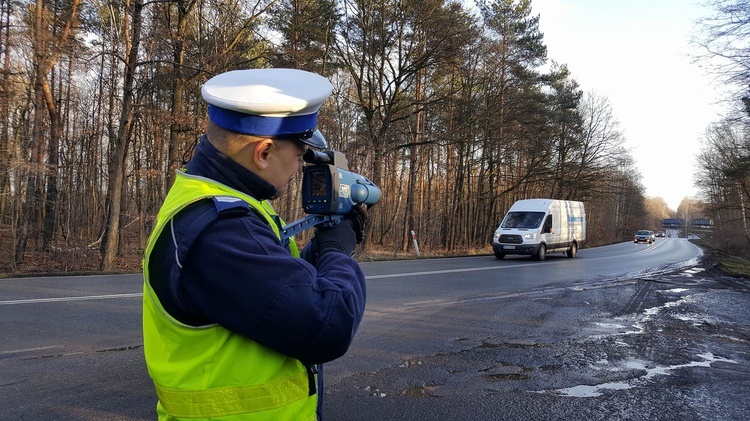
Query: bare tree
x,y
176,127
384,46
448,112
725,38
110,243
566,133
724,179
47,47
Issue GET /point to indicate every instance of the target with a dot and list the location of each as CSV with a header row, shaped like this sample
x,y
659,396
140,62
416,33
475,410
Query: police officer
x,y
235,324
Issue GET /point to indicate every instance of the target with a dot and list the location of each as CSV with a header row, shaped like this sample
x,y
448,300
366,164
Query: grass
x,y
728,263
735,265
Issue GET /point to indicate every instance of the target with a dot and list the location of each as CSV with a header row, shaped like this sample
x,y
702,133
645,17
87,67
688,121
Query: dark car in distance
x,y
643,236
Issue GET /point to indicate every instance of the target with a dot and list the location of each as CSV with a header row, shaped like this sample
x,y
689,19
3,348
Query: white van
x,y
536,227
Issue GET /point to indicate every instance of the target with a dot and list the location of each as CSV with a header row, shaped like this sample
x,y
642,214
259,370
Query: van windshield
x,y
523,220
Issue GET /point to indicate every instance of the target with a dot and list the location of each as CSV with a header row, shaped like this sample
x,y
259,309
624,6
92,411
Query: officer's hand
x,y
358,216
340,238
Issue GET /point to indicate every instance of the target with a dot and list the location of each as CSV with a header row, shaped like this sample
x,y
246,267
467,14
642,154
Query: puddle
x,y
602,330
693,271
410,362
635,324
506,372
649,313
506,376
613,326
583,391
375,392
693,319
420,391
636,365
651,371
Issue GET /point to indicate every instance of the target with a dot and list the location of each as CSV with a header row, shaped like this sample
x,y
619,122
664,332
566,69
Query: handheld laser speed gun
x,y
330,191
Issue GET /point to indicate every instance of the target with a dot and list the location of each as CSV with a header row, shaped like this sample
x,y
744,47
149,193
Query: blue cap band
x,y
238,122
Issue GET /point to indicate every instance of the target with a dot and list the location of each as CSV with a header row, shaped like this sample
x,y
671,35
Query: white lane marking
x,y
392,275
437,272
424,302
63,299
650,247
41,348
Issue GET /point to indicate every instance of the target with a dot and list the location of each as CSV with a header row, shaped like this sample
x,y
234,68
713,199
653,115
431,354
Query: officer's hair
x,y
227,141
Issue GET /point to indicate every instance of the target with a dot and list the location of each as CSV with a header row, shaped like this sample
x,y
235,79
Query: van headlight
x,y
496,237
529,236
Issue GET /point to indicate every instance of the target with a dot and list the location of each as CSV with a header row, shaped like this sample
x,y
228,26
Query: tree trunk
x,y
53,160
29,210
176,127
111,237
5,107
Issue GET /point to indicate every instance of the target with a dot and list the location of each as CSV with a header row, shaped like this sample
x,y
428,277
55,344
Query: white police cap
x,y
280,103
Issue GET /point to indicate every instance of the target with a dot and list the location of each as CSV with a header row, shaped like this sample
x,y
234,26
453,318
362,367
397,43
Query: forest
x,y
455,111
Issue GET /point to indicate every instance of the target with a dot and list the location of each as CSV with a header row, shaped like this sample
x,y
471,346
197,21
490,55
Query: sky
x,y
638,54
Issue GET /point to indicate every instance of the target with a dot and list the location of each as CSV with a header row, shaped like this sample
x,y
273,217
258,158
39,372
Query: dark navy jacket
x,y
238,274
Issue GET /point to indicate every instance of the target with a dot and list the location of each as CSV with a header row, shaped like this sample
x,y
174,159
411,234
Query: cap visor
x,y
316,140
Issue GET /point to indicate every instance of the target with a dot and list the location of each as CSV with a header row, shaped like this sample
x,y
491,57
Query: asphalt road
x,y
620,332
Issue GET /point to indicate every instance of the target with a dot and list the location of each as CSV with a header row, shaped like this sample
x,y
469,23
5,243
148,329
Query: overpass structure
x,y
671,223
697,224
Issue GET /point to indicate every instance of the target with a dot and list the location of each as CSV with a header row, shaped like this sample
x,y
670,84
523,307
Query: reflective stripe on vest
x,y
224,401
208,371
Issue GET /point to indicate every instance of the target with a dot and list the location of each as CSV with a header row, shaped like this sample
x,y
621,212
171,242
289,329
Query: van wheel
x,y
541,254
499,256
572,250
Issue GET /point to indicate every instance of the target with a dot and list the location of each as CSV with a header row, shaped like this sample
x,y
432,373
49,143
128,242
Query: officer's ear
x,y
262,151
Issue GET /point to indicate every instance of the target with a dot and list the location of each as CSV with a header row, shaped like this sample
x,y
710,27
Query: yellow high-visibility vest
x,y
209,372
